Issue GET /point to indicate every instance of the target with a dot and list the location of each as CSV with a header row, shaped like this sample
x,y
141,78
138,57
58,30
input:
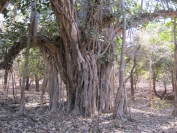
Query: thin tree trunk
x,y
165,91
132,87
175,71
150,79
141,6
32,34
22,101
154,84
27,84
37,83
132,79
121,110
20,82
13,85
43,88
172,80
5,82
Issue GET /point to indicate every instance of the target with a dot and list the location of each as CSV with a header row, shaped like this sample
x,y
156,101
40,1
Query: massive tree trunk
x,y
85,60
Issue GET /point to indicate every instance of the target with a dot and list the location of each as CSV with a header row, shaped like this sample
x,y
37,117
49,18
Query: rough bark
x,y
51,81
106,90
81,65
53,87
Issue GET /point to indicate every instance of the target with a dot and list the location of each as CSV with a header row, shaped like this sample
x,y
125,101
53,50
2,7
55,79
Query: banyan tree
x,y
83,52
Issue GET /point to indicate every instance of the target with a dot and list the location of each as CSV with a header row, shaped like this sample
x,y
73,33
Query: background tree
x,y
175,70
32,35
121,110
36,66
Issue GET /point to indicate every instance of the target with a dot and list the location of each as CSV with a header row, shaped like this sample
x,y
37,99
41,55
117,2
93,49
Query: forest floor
x,y
156,118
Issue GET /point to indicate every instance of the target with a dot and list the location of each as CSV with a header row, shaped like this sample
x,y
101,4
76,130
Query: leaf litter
x,y
40,120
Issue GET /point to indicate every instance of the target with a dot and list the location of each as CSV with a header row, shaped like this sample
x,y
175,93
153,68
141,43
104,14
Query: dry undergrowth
x,y
146,119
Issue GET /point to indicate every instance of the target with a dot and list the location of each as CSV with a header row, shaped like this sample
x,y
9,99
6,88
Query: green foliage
x,y
36,64
48,24
5,12
119,45
132,7
107,58
156,41
159,104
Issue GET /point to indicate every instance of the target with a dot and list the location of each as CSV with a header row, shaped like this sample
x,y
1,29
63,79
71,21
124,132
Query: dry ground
x,y
146,119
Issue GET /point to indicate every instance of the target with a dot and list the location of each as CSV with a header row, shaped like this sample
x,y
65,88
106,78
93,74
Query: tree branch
x,y
143,18
3,4
11,55
18,46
